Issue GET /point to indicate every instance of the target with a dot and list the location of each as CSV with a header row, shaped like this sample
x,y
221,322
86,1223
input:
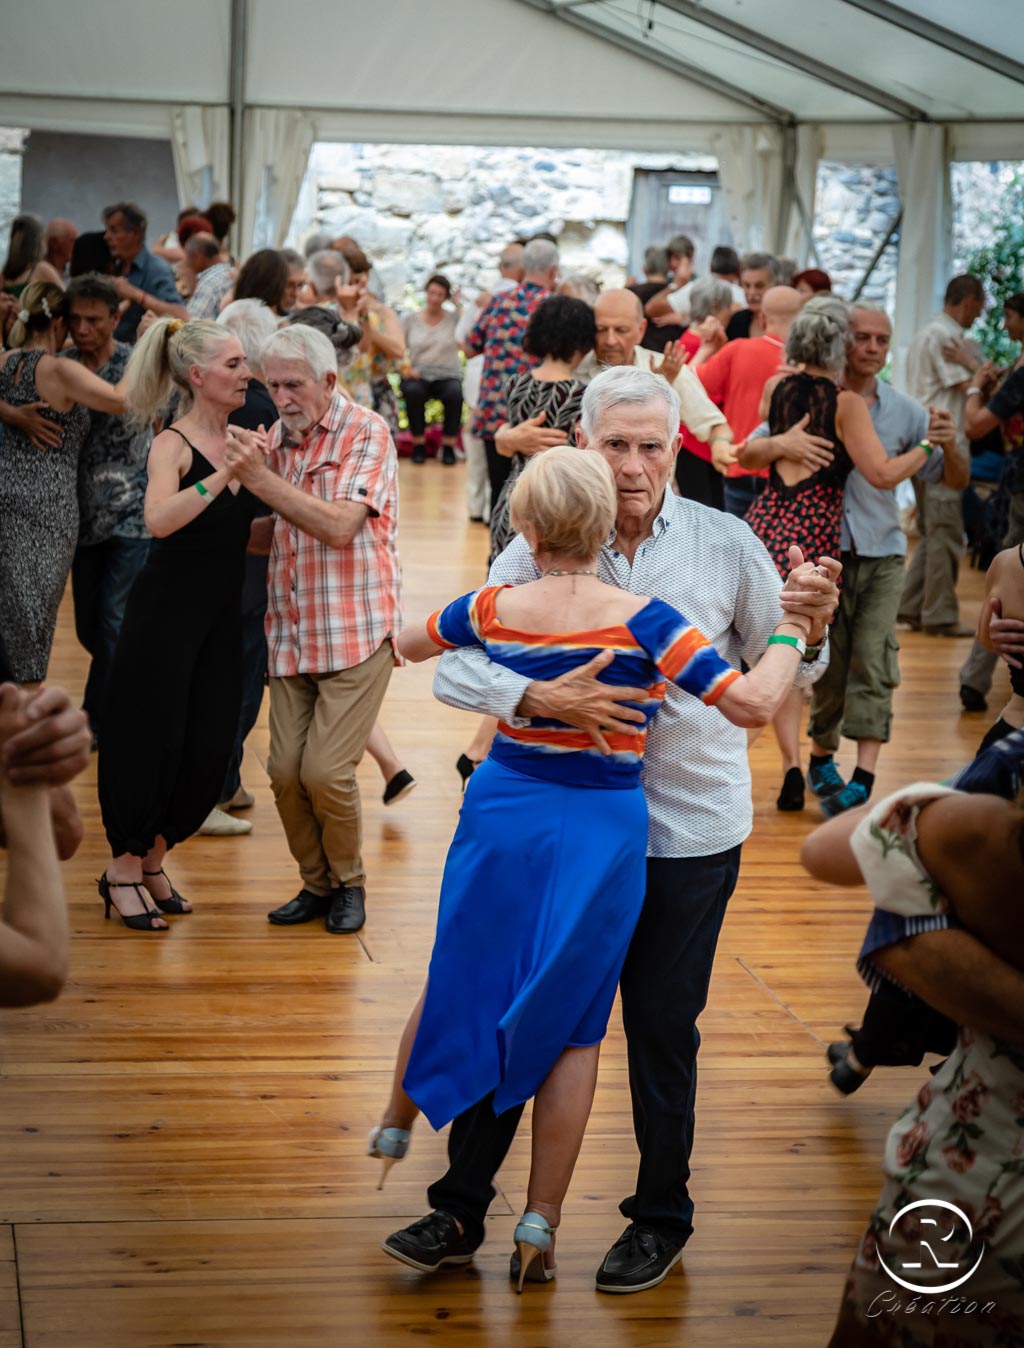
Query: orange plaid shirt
x,y
331,608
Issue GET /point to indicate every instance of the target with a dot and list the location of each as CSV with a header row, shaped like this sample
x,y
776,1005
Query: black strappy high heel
x,y
136,921
175,904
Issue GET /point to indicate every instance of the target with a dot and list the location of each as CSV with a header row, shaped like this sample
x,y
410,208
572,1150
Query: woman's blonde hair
x,y
160,364
568,498
40,303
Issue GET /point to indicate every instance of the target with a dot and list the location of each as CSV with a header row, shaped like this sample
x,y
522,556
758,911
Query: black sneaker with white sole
x,y
432,1241
639,1259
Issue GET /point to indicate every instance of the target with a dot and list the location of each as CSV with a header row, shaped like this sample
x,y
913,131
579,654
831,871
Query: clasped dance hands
x,y
812,592
45,741
246,456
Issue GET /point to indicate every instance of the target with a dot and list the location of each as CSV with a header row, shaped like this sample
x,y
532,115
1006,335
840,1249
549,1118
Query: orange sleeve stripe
x,y
682,651
434,634
723,682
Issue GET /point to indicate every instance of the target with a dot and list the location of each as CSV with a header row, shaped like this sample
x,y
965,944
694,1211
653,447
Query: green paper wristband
x,y
780,639
204,492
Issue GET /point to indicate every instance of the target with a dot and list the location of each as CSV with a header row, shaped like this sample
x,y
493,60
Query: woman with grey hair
x,y
803,507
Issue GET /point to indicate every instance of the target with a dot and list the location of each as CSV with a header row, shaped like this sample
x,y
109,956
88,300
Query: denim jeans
x,y
101,576
664,989
742,492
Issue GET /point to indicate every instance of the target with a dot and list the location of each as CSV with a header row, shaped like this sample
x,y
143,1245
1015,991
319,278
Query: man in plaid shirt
x,y
499,336
329,471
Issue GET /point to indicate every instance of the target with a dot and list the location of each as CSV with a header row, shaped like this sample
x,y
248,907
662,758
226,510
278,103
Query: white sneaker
x,y
218,824
241,800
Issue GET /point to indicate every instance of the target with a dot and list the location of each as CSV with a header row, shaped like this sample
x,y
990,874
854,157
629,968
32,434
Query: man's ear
x,y
643,329
331,380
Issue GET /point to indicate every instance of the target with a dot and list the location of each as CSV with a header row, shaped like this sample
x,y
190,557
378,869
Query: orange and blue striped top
x,y
656,644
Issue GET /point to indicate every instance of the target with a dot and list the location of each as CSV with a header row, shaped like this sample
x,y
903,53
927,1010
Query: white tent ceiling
x,y
243,88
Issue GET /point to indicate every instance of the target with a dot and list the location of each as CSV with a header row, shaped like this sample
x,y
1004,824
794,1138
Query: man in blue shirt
x,y
145,281
853,698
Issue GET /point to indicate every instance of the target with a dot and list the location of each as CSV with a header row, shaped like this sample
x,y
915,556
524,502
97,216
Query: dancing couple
x,y
546,898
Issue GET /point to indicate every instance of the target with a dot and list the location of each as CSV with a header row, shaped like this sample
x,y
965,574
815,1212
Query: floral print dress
x,y
961,1142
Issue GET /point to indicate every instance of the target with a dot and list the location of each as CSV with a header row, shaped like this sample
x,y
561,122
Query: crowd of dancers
x,y
689,484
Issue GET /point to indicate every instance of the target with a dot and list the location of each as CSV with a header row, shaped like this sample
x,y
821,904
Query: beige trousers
x,y
319,725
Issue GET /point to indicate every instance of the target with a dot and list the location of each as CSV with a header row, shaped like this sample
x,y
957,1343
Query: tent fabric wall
x,y
277,146
922,161
750,171
200,144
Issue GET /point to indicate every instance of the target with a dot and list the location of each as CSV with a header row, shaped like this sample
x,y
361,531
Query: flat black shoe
x,y
639,1259
348,910
400,785
448,456
791,797
971,699
427,1244
465,767
845,1075
303,908
419,454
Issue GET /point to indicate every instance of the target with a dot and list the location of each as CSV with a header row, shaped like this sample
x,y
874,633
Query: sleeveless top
x,y
813,396
27,472
656,644
220,532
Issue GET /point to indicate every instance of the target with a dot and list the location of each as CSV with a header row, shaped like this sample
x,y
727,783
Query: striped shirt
x,y
655,644
331,608
712,567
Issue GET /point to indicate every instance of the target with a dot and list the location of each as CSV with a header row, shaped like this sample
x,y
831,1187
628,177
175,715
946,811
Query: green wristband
x,y
780,639
927,446
204,492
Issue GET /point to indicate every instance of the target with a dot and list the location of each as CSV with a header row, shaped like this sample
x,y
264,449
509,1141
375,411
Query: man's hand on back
x,y
580,699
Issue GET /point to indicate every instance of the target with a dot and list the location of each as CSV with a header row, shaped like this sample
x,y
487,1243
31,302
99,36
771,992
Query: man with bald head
x,y
620,326
60,240
735,378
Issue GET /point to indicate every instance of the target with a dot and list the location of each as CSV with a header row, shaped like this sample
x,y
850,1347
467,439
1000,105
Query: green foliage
x,y
1000,265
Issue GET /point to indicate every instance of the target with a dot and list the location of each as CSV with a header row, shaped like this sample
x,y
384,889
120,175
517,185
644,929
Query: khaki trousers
x,y
929,595
319,725
853,697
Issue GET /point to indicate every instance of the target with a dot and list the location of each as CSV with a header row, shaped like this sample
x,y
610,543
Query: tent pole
x,y
239,16
877,258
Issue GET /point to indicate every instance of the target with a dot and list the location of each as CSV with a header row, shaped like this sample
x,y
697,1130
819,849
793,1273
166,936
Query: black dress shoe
x,y
639,1259
971,699
348,910
303,908
427,1244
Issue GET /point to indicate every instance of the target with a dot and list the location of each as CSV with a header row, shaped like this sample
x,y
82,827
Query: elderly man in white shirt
x,y
620,323
697,782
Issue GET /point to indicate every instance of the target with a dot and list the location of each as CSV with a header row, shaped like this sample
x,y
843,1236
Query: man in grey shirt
x,y
696,779
853,699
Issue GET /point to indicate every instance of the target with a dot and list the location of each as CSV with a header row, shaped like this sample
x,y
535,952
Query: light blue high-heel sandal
x,y
533,1237
390,1145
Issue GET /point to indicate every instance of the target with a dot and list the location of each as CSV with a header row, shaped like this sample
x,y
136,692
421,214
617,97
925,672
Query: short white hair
x,y
299,342
627,385
317,242
325,268
253,323
540,255
707,296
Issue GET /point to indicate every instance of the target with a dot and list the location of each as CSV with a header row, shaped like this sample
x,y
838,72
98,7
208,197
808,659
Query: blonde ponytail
x,y
160,363
41,302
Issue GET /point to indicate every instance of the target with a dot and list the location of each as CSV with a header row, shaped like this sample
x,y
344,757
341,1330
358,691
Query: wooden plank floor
x,y
182,1133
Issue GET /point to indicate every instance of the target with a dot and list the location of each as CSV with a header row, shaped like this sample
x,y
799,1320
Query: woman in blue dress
x,y
545,877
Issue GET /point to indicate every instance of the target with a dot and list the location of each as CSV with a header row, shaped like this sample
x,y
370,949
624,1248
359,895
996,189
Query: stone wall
x,y
416,209
11,145
855,208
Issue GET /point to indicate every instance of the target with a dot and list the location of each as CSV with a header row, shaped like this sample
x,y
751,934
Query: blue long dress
x,y
545,876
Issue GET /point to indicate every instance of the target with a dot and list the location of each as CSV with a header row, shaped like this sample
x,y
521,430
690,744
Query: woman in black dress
x,y
803,507
176,682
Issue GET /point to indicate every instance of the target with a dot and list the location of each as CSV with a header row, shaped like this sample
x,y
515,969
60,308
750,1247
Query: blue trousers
x,y
742,492
101,576
664,989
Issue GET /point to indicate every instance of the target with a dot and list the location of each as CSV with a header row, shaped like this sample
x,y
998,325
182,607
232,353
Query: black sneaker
x,y
427,1244
639,1259
400,785
971,699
